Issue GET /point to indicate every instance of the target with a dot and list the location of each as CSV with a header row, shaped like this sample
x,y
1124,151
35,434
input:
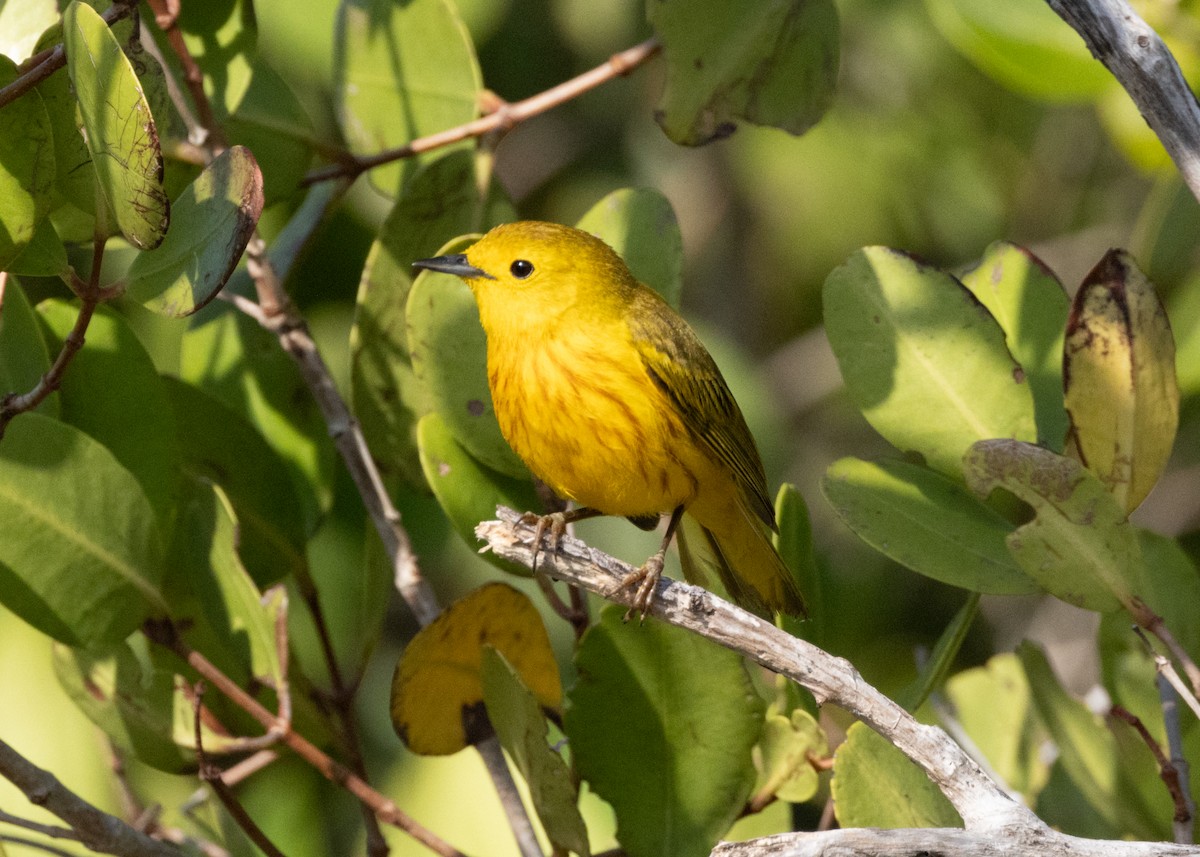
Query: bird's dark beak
x,y
456,265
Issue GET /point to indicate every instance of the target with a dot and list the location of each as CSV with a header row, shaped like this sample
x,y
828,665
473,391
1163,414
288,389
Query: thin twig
x,y
34,71
506,117
1153,623
51,830
33,843
1167,670
1166,771
1184,828
167,20
232,775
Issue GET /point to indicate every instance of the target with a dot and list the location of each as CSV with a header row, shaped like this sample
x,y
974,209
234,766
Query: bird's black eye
x,y
521,268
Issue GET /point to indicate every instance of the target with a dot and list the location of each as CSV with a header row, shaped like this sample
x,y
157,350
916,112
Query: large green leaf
x,y
1030,304
24,357
926,522
81,556
404,70
640,224
110,379
922,359
449,357
875,785
211,224
121,134
26,167
1080,547
770,64
521,727
441,202
662,724
468,491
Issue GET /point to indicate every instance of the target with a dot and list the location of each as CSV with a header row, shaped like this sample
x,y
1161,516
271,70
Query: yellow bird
x,y
611,399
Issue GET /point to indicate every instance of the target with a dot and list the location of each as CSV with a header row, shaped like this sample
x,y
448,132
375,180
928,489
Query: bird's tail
x,y
740,550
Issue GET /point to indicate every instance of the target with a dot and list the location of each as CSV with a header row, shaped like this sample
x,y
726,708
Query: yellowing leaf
x,y
782,757
437,691
1119,371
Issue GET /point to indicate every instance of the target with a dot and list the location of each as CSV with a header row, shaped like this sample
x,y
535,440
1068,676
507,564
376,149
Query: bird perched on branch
x,y
610,398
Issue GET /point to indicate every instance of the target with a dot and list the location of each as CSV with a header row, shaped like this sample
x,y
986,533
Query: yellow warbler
x,y
611,399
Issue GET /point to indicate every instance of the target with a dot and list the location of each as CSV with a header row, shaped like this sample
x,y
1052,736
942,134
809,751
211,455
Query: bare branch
x,y
1145,67
96,829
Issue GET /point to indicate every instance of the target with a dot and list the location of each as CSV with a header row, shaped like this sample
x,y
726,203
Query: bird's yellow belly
x,y
596,431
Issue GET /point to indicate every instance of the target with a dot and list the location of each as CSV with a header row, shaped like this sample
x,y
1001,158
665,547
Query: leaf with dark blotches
x,y
212,223
1119,368
119,129
1080,546
772,64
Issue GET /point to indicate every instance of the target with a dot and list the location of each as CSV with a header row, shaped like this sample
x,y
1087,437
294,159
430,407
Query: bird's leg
x,y
556,523
647,576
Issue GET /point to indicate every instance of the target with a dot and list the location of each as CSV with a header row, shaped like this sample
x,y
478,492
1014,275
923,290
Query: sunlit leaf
x,y
640,225
1121,389
780,70
922,359
783,757
1080,547
120,131
26,170
211,223
437,702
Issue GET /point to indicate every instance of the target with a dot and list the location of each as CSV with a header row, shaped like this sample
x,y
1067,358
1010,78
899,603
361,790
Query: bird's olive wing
x,y
679,365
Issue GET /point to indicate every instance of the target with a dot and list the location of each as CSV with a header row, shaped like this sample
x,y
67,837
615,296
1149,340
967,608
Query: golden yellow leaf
x,y
437,690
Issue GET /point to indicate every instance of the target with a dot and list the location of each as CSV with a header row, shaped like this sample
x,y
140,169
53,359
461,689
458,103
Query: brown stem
x,y
1166,770
167,19
503,118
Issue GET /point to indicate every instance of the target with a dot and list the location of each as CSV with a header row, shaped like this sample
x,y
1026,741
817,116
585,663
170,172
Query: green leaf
x,y
1171,588
1080,547
110,380
74,173
661,724
234,360
875,785
43,256
404,71
640,224
121,135
922,359
218,444
26,170
1024,45
782,757
22,23
211,224
993,705
442,201
521,728
770,64
1088,751
1031,306
795,544
942,658
24,358
927,523
449,356
134,703
468,491
84,558
1119,369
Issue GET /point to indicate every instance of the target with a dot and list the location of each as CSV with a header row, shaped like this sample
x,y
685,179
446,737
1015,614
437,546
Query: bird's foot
x,y
646,579
555,522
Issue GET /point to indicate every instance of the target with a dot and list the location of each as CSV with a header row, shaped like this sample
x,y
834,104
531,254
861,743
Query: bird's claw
x,y
646,579
555,522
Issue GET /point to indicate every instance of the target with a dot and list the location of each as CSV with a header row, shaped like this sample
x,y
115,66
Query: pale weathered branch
x,y
995,823
1145,67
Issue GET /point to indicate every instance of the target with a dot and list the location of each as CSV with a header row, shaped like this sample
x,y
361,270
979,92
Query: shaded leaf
x,y
1031,306
927,523
922,359
521,728
81,557
468,491
782,757
1119,369
120,131
780,70
1080,547
794,542
937,666
640,225
43,256
24,357
211,224
26,168
437,703
662,724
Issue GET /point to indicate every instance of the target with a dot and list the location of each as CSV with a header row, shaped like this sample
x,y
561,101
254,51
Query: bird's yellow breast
x,y
585,416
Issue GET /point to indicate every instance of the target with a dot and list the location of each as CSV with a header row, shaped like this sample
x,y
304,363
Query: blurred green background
x,y
956,123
